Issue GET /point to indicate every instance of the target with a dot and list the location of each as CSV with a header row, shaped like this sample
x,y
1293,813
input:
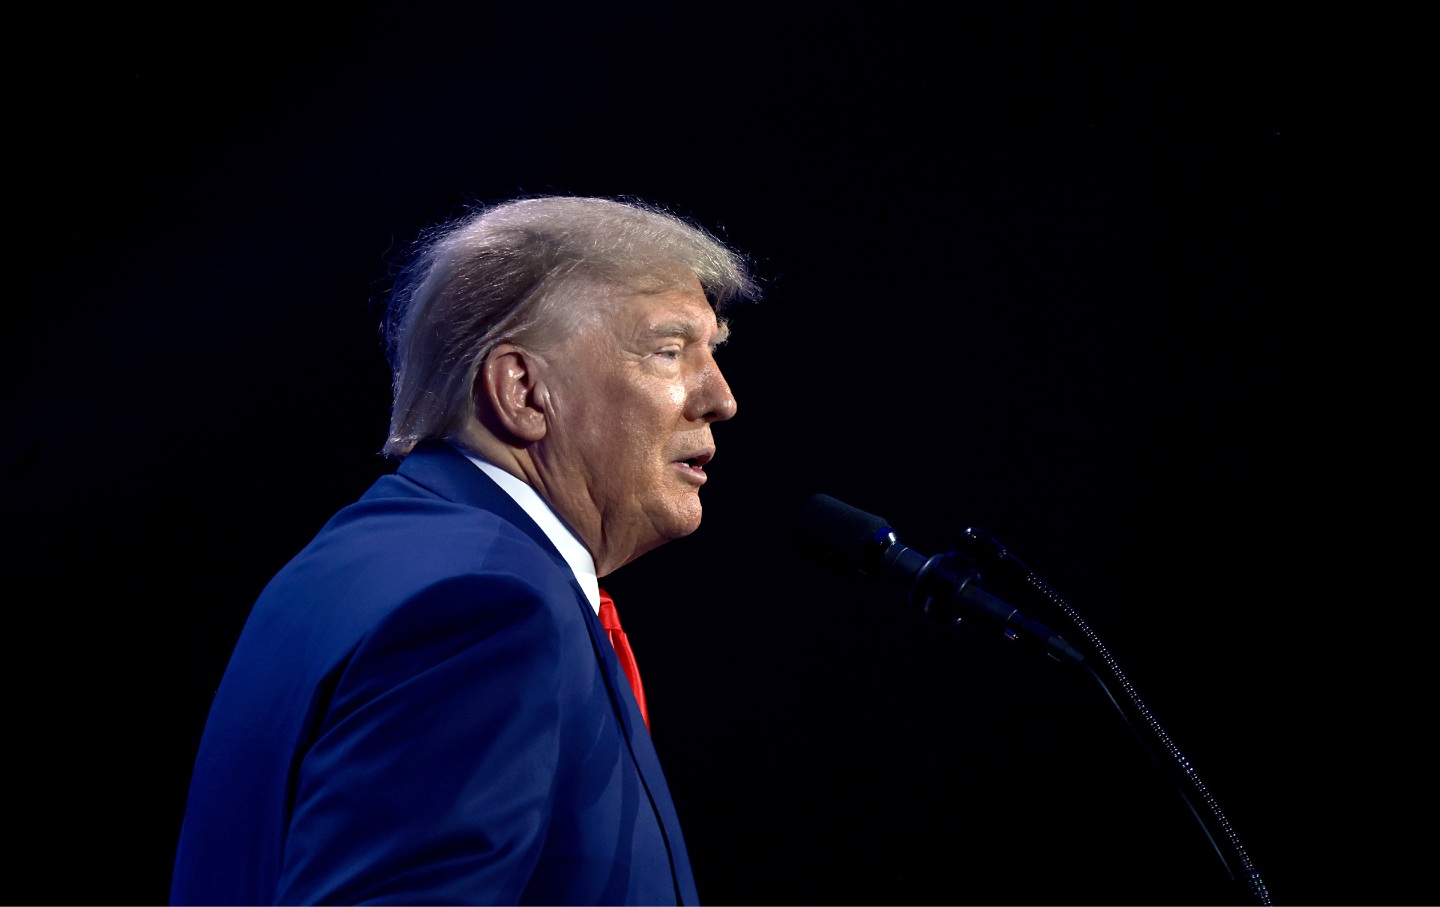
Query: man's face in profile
x,y
633,394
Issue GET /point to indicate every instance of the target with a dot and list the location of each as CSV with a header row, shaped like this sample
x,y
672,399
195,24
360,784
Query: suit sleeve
x,y
431,776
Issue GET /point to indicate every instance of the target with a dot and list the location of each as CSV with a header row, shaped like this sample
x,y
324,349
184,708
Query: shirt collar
x,y
575,554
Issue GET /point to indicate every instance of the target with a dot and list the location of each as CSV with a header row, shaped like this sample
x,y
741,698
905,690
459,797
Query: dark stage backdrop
x,y
1035,268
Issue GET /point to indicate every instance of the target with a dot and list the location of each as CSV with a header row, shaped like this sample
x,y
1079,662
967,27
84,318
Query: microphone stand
x,y
986,552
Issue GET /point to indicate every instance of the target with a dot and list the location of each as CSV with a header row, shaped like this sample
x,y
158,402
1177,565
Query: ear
x,y
509,389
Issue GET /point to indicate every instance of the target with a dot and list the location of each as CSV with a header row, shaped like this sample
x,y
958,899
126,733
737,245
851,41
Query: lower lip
x,y
693,473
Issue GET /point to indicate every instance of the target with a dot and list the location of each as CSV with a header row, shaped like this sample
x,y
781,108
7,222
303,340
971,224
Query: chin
x,y
680,518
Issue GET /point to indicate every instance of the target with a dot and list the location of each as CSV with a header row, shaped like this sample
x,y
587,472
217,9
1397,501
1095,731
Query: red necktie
x,y
610,620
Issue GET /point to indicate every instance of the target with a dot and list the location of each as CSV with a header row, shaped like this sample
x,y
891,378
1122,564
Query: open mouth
x,y
694,466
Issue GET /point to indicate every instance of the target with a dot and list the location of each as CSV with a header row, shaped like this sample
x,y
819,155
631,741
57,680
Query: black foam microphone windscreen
x,y
845,536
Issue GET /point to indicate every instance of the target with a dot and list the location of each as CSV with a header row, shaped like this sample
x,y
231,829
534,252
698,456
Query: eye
x,y
670,352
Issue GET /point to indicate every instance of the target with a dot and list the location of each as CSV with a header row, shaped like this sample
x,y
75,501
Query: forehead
x,y
681,311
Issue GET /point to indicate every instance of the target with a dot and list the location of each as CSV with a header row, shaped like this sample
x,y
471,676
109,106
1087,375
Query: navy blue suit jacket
x,y
423,708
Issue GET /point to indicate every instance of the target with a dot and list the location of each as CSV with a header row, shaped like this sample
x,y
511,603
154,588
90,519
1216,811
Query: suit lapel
x,y
647,761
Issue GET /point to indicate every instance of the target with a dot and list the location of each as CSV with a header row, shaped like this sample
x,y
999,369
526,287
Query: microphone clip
x,y
947,589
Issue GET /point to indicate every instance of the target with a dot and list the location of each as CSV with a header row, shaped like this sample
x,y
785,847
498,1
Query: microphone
x,y
945,586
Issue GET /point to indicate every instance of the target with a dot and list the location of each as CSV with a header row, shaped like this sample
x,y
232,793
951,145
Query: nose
x,y
712,399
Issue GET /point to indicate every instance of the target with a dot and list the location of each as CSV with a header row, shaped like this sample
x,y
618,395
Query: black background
x,y
1037,268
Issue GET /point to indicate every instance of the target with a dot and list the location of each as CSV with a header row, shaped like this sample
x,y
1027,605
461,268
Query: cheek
x,y
638,424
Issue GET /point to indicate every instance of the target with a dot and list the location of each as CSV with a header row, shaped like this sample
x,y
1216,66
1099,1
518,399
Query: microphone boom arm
x,y
947,588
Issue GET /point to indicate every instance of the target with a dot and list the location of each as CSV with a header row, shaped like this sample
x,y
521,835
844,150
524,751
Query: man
x,y
423,706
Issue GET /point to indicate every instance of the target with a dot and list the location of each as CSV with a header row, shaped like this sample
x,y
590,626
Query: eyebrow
x,y
688,330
